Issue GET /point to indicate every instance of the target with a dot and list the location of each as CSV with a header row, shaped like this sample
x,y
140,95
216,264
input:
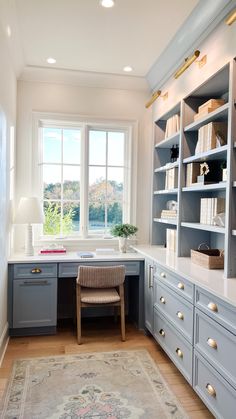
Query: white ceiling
x,y
84,36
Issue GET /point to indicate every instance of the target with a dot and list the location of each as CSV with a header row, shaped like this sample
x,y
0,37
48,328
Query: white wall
x,y
95,102
7,120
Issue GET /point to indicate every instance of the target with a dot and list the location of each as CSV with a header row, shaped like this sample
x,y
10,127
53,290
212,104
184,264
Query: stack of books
x,y
208,107
207,136
192,172
172,126
209,208
171,180
52,249
169,214
171,239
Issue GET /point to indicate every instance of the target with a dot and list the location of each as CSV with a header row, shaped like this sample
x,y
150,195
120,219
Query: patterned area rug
x,y
107,385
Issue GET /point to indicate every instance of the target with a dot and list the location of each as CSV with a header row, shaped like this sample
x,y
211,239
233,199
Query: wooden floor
x,y
103,335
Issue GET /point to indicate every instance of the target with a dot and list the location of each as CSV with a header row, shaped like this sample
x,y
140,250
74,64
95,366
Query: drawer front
x,y
217,344
177,283
70,269
178,349
216,393
216,308
35,270
177,309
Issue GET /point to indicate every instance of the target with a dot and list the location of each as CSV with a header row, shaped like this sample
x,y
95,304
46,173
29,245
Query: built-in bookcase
x,y
190,231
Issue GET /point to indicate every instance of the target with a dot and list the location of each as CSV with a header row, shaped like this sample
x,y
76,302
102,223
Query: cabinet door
x,y
149,267
34,302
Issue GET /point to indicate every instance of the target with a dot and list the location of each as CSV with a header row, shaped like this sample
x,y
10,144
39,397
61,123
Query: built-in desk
x,y
38,284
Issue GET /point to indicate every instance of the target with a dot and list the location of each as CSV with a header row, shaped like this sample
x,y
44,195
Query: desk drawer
x,y
35,270
217,345
216,308
177,283
70,269
178,349
175,308
216,393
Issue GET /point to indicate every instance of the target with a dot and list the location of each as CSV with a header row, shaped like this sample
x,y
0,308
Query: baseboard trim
x,y
4,339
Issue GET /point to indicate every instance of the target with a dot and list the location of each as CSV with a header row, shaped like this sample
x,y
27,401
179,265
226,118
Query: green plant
x,y
123,230
52,224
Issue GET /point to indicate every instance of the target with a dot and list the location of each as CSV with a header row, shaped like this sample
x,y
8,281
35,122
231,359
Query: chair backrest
x,y
101,277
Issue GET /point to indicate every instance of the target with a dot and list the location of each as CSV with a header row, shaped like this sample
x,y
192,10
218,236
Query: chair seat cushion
x,y
99,295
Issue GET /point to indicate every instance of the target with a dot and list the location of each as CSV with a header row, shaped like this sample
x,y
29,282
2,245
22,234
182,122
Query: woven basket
x,y
210,258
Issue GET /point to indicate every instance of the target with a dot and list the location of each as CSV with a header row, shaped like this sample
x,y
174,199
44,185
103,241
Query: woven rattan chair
x,y
98,286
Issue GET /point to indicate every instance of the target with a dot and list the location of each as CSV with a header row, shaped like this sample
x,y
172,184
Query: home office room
x,y
117,208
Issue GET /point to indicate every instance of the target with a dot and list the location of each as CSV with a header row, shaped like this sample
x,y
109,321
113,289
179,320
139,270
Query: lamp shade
x,y
29,211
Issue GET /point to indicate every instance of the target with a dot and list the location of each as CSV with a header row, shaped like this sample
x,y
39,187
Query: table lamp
x,y
29,212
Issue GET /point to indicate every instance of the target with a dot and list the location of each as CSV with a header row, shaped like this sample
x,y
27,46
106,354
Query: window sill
x,y
74,244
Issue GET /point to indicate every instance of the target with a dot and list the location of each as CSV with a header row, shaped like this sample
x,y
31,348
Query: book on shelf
x,y
171,180
192,172
169,214
209,208
210,106
210,136
171,239
172,125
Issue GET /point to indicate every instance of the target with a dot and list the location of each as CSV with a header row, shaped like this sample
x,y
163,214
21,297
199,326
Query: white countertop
x,y
74,257
211,280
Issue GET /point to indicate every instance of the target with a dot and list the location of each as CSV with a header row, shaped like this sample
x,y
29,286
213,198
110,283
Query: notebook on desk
x,y
85,255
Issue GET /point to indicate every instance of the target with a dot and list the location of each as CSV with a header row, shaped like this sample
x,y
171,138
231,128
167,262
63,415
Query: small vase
x,y
123,244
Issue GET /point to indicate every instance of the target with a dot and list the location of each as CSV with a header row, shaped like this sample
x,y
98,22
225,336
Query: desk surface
x,y
73,257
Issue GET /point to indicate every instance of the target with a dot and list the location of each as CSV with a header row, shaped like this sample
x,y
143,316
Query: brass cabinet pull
x,y
212,343
36,271
162,300
181,286
163,275
212,307
162,332
180,315
211,390
179,353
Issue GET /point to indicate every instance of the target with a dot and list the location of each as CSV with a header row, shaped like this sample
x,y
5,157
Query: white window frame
x,y
85,123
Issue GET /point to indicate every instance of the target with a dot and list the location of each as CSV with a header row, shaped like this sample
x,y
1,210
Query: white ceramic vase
x,y
123,244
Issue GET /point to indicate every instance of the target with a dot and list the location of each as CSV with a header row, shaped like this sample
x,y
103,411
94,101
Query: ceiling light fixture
x,y
231,18
127,68
107,3
51,60
8,31
186,64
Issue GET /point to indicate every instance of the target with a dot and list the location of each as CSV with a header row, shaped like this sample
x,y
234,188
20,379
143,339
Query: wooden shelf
x,y
166,167
166,192
220,114
203,188
171,221
205,227
169,142
214,154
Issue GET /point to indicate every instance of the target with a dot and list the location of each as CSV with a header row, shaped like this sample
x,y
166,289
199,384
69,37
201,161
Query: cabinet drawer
x,y
175,345
216,308
70,269
177,283
177,309
33,270
216,393
216,344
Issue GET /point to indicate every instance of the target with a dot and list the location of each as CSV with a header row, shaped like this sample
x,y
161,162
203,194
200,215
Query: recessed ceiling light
x,y
51,60
128,68
107,3
8,31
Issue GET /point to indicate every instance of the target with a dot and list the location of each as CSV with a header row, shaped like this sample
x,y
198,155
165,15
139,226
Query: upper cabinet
x,y
194,180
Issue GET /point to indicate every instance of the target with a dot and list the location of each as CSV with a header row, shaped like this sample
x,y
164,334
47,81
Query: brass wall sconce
x,y
155,95
187,63
231,18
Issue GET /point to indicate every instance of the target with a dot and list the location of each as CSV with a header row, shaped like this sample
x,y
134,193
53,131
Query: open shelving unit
x,y
190,232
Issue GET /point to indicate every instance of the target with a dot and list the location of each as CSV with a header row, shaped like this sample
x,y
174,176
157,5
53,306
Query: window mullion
x,y
62,194
84,183
106,183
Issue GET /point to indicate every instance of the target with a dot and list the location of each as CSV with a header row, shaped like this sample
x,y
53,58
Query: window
x,y
84,177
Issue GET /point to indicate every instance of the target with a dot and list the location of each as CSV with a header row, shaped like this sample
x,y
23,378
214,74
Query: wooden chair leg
x,y
78,314
122,313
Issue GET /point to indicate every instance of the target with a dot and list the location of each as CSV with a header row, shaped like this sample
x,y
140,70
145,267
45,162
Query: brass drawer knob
x,y
212,343
163,275
212,307
162,332
36,271
211,390
180,315
162,300
179,353
181,286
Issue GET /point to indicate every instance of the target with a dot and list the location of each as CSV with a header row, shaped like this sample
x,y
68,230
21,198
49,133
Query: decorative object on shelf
x,y
171,239
172,125
29,212
174,153
208,107
123,231
224,171
208,258
172,205
210,172
210,208
155,95
210,136
231,18
192,172
219,219
187,63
